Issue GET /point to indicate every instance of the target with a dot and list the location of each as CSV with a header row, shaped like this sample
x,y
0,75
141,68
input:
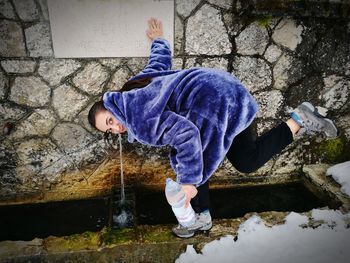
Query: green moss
x,y
86,240
334,150
117,236
264,21
158,235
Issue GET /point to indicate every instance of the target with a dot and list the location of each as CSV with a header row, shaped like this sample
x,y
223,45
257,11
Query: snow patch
x,y
333,218
341,173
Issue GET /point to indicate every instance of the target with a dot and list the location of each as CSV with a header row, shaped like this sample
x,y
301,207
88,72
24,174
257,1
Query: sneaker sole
x,y
184,236
330,122
204,228
334,127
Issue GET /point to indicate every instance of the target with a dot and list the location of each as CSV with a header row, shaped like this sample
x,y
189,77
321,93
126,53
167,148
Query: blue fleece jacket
x,y
197,111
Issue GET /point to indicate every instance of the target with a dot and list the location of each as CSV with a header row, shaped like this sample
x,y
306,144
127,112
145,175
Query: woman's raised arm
x,y
160,57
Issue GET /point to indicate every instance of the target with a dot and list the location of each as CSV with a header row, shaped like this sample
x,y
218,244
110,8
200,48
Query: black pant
x,y
248,153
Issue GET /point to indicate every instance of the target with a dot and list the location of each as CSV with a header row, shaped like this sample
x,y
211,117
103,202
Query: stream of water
x,y
122,191
122,215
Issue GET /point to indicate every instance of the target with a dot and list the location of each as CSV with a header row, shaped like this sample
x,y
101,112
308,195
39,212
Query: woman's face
x,y
106,122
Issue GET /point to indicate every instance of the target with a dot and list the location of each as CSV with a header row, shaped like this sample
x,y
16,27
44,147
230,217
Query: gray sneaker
x,y
203,223
307,116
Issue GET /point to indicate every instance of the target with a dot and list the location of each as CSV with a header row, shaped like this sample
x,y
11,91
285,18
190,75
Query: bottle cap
x,y
168,180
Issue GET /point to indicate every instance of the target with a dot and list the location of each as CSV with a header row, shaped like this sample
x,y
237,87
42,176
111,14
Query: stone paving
x,y
284,53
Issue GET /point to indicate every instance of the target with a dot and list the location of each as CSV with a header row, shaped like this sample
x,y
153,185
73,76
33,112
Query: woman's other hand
x,y
190,192
155,29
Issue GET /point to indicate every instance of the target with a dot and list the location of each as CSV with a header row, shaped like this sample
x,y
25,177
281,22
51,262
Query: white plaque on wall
x,y
107,28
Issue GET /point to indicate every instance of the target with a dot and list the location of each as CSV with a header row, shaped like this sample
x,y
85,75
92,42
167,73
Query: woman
x,y
204,115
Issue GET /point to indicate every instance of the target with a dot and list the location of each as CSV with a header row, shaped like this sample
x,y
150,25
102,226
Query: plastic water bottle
x,y
176,198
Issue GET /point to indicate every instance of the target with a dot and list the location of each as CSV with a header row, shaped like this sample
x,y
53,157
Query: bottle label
x,y
176,199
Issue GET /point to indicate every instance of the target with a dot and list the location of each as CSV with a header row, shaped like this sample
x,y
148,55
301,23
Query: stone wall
x,y
285,52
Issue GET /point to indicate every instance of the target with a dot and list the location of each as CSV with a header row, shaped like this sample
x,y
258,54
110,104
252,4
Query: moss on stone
x,y
111,236
264,21
86,240
334,150
157,235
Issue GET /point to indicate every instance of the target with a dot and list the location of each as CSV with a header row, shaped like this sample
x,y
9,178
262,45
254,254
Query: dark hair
x,y
136,83
129,85
96,108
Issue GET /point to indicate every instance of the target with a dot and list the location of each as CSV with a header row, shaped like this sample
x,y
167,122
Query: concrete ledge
x,y
140,244
316,181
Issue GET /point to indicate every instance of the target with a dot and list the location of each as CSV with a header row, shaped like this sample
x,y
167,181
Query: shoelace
x,y
312,126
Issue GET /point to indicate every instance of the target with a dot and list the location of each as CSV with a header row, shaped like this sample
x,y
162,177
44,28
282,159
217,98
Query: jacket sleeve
x,y
160,58
183,136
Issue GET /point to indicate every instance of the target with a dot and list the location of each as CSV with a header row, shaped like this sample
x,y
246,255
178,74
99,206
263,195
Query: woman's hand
x,y
190,192
155,29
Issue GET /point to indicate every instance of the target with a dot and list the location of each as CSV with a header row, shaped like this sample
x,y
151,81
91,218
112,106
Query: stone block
x,y
288,33
219,63
287,71
270,103
30,91
13,249
112,63
206,33
39,40
137,64
18,66
336,92
54,71
254,73
91,79
26,10
40,161
40,122
68,102
6,9
71,138
185,7
11,39
10,113
119,78
252,40
272,53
